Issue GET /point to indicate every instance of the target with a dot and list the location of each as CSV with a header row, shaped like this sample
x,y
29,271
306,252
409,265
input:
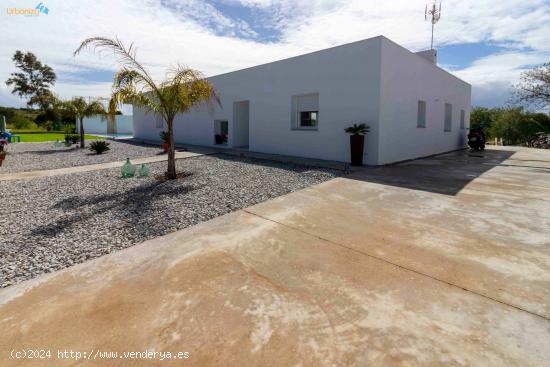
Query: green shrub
x,y
48,125
99,146
21,122
164,136
72,138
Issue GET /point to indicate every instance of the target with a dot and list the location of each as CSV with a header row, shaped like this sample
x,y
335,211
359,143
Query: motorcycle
x,y
476,139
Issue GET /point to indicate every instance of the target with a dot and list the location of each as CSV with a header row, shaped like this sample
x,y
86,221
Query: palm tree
x,y
182,89
78,108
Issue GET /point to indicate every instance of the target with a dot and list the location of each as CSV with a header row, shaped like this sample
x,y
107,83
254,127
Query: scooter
x,y
476,139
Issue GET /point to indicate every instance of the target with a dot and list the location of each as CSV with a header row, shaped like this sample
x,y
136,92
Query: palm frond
x,y
125,55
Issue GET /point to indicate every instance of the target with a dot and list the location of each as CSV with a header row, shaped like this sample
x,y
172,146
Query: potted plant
x,y
3,154
357,142
164,137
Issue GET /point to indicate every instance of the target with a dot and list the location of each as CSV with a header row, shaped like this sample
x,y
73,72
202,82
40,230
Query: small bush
x,y
48,125
21,122
99,146
69,129
72,138
164,136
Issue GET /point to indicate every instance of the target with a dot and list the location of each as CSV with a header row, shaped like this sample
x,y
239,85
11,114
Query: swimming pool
x,y
115,135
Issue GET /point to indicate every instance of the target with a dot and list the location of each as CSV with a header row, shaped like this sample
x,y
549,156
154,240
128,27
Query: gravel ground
x,y
39,156
52,223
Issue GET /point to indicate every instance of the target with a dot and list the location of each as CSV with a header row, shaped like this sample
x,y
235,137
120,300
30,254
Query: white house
x,y
300,106
122,125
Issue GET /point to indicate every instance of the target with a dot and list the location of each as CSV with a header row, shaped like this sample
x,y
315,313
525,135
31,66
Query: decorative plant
x,y
164,136
358,129
357,142
71,138
99,146
182,90
3,154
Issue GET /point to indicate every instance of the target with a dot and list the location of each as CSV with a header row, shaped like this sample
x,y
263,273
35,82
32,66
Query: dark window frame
x,y
309,126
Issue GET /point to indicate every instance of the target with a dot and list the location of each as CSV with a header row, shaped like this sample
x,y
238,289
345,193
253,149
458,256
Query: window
x,y
448,117
159,122
462,126
305,112
421,117
308,118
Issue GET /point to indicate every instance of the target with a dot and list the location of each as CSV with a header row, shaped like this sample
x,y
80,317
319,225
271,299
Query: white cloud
x,y
197,34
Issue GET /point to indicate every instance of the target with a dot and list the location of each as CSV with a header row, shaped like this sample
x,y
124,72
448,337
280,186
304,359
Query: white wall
x,y
407,78
346,78
95,125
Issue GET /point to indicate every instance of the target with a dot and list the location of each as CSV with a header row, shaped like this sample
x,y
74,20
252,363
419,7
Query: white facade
x,y
374,81
96,125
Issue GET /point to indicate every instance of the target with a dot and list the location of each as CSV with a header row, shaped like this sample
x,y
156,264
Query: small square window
x,y
305,112
308,118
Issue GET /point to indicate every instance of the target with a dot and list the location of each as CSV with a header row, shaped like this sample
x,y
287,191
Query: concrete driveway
x,y
440,261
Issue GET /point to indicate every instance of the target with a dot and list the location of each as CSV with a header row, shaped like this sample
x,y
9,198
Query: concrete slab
x,y
491,237
244,291
91,167
349,272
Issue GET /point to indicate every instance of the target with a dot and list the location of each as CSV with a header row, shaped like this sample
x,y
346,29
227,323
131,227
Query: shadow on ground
x,y
138,201
443,174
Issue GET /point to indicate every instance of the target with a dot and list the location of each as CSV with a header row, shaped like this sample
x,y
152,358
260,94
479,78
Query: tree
x,y
534,87
516,126
34,81
482,117
79,108
182,89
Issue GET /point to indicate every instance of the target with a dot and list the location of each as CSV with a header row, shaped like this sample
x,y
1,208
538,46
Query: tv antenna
x,y
434,13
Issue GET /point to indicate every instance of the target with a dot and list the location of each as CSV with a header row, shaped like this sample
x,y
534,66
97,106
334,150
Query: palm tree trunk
x,y
171,173
82,132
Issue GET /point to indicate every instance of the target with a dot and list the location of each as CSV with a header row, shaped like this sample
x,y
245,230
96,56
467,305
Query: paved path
x,y
441,261
91,167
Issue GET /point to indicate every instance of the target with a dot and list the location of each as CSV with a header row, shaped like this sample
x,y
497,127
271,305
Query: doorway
x,y
221,132
241,121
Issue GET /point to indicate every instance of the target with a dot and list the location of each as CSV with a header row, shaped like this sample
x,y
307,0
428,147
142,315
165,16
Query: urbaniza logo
x,y
39,9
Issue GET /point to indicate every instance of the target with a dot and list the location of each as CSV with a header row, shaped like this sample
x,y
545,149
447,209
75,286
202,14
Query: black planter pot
x,y
357,145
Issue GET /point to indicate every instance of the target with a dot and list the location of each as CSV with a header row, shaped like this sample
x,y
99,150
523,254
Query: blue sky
x,y
487,43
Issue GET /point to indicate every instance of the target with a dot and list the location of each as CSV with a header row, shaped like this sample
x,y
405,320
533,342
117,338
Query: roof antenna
x,y
435,14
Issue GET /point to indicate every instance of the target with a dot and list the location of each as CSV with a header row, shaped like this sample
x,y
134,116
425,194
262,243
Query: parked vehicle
x,y
476,139
542,141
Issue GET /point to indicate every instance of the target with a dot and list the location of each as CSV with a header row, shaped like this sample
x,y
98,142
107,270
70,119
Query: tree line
x,y
35,81
514,125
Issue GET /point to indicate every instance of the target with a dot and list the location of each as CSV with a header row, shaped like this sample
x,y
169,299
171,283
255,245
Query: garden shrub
x,y
19,122
72,138
99,146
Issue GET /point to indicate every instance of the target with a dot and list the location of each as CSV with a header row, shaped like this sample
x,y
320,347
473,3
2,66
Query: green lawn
x,y
34,138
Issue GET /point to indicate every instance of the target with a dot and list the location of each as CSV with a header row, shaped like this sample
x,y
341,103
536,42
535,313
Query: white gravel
x,y
40,156
51,223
